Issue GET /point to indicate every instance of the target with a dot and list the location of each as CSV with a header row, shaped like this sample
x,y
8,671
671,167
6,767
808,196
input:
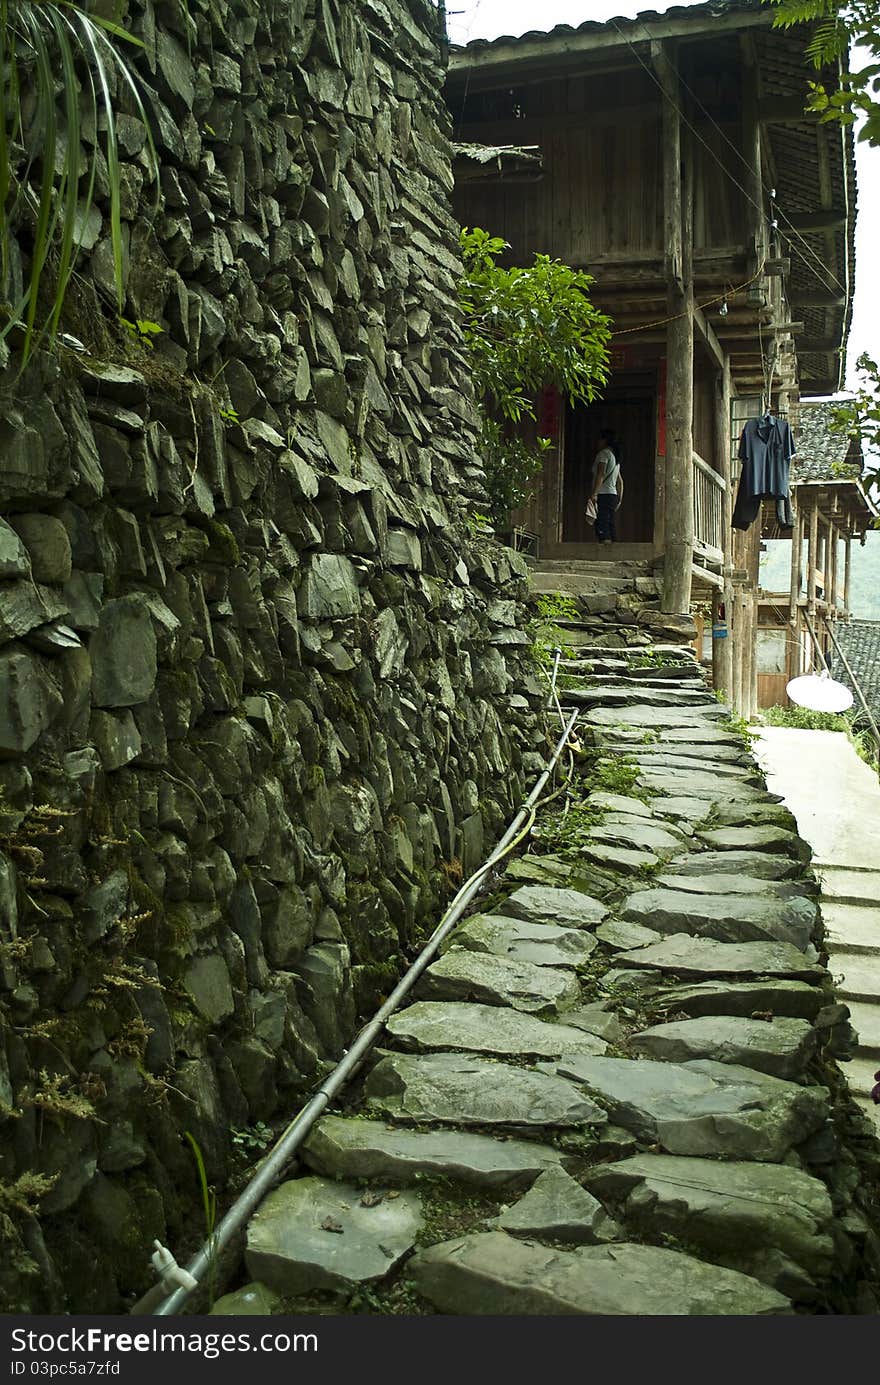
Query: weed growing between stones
x,y
566,834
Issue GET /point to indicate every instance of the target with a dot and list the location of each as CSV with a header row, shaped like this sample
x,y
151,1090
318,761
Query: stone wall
x,y
264,691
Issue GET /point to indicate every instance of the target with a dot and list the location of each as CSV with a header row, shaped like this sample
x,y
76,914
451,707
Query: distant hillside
x,y
865,581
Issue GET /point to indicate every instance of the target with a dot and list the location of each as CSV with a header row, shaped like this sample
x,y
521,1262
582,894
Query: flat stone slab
x,y
759,1216
773,839
620,859
718,751
596,1019
658,758
340,1148
493,1273
774,997
746,863
849,886
636,836
737,884
431,1025
520,940
692,784
543,904
631,693
622,935
681,809
683,718
703,1108
620,803
313,1234
478,976
728,919
451,1089
704,957
556,1208
782,1047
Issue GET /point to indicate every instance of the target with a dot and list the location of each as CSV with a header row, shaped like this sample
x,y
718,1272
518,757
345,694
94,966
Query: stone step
x,y
315,1235
728,919
496,1274
847,886
860,1074
457,1089
480,977
544,944
767,1220
366,1149
700,1108
851,927
759,864
781,1047
696,958
637,697
557,1208
865,1019
857,977
431,1026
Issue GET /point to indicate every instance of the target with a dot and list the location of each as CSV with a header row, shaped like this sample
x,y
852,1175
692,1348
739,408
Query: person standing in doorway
x,y
607,491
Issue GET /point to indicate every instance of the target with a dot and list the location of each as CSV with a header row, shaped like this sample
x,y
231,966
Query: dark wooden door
x,y
630,414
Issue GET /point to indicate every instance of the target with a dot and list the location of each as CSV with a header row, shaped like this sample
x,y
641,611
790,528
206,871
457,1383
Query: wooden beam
x,y
847,571
822,220
819,298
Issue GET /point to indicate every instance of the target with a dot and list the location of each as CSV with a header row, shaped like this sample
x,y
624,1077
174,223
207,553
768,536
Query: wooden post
x,y
678,229
847,558
722,650
811,559
797,553
753,657
831,563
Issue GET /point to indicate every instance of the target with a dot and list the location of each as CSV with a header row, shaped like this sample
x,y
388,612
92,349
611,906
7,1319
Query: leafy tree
x,y
525,328
841,25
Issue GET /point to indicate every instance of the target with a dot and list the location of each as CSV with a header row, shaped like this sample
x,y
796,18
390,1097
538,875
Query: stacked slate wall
x,y
264,688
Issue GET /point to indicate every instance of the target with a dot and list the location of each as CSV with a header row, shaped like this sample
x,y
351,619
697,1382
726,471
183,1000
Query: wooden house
x,y
669,156
832,508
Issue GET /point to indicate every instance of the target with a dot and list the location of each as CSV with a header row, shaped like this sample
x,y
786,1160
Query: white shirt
x,y
605,466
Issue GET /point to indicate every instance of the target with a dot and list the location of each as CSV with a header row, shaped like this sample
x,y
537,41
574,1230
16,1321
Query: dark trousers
x,y
605,507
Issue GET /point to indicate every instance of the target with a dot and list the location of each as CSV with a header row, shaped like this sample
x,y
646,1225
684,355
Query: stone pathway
x,y
614,1093
835,798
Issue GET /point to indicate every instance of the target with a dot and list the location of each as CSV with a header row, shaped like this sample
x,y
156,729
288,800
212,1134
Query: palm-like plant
x,y
59,71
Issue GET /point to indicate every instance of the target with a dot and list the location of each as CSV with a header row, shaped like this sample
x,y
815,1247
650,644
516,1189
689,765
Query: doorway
x,y
629,410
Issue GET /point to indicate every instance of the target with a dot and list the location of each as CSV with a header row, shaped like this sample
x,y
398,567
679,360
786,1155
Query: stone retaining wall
x,y
264,691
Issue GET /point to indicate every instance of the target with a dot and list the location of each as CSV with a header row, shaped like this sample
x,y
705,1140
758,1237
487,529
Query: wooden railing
x,y
708,513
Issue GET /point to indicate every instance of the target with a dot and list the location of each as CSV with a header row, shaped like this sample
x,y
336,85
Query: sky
x,y
470,19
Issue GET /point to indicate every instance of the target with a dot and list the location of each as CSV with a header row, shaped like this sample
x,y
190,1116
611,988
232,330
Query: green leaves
x,y
860,417
58,72
840,25
529,327
525,328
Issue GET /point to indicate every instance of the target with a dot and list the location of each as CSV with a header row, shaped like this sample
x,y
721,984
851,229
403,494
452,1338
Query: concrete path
x,y
835,798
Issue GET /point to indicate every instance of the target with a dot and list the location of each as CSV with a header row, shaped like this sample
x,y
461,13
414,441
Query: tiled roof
x,y
823,454
860,642
625,24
